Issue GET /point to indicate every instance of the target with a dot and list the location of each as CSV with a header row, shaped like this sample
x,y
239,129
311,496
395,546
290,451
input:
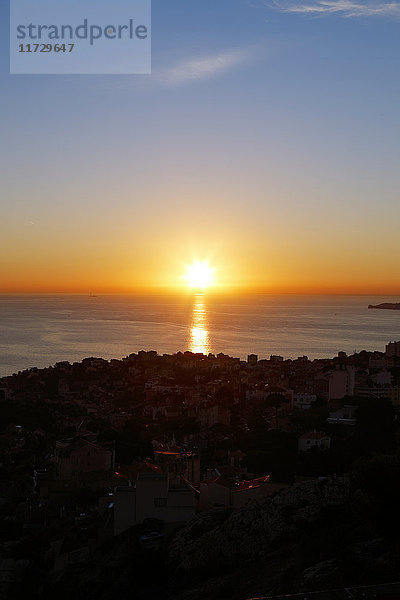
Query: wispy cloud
x,y
205,67
343,8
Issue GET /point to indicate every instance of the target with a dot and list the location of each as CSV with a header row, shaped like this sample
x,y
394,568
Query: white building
x,y
313,439
151,497
303,401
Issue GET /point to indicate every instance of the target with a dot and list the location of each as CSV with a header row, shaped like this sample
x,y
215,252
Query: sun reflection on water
x,y
199,327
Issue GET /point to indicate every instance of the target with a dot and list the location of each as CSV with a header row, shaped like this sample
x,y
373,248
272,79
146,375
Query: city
x,y
167,460
199,326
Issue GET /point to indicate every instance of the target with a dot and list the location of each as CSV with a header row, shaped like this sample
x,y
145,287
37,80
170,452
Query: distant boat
x,y
386,305
92,295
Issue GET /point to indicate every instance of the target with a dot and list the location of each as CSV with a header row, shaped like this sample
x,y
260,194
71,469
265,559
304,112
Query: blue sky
x,y
267,136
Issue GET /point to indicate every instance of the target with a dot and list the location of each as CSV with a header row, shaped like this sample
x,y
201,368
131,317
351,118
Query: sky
x,y
265,141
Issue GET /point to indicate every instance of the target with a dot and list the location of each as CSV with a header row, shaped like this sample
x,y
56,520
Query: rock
x,y
321,571
212,540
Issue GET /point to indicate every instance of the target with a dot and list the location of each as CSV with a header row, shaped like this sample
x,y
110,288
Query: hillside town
x,y
124,464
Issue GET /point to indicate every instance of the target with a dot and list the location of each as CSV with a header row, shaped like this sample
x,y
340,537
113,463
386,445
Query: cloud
x,y
343,8
200,68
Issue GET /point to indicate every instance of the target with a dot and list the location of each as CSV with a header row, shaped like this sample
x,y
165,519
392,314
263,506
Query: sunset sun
x,y
199,275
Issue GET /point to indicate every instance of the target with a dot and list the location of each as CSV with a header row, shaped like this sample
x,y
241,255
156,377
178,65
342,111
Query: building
x,y
341,382
179,464
4,394
388,392
377,360
343,416
314,439
152,497
393,350
261,392
303,401
383,378
252,359
73,458
275,358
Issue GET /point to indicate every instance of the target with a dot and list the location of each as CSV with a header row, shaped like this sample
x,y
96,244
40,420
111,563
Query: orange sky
x,y
264,141
114,254
88,268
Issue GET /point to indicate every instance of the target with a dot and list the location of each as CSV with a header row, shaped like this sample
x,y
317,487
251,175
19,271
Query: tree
x,y
375,430
378,478
275,401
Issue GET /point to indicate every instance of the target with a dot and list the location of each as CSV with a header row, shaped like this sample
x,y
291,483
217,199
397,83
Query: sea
x,y
40,330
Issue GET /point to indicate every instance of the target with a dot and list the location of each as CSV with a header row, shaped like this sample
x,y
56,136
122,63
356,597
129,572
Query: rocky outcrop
x,y
386,305
247,533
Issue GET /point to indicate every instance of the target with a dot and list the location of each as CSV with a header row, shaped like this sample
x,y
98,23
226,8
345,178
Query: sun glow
x,y
199,275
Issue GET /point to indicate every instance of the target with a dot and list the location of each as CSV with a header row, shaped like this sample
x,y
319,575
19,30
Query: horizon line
x,y
209,291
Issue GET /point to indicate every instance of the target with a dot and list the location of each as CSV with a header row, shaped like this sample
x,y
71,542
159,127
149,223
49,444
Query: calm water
x,y
41,330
